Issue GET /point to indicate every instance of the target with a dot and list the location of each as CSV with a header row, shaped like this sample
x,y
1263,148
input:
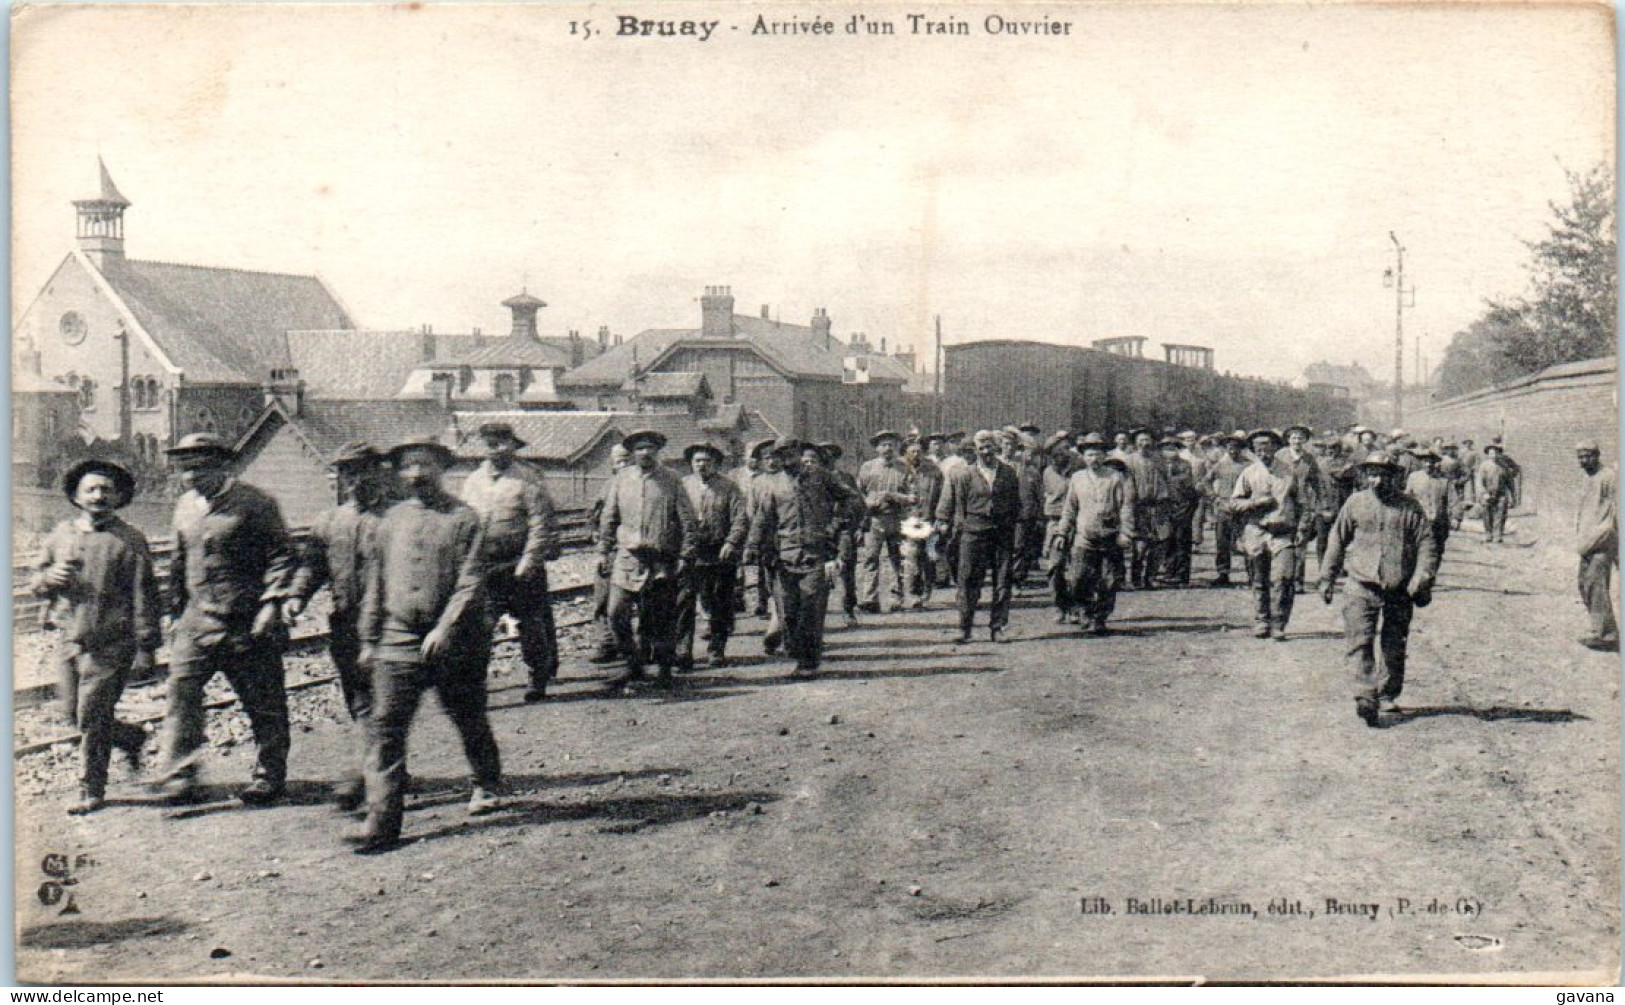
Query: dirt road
x,y
926,810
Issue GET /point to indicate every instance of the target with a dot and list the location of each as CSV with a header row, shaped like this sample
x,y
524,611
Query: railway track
x,y
306,644
27,610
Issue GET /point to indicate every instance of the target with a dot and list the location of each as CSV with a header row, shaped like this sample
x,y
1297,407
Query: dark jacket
x,y
970,505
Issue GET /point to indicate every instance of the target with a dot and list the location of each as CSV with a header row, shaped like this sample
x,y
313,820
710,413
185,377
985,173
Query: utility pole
x,y
1397,277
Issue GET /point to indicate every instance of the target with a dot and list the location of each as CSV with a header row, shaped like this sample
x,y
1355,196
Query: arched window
x,y
203,421
504,388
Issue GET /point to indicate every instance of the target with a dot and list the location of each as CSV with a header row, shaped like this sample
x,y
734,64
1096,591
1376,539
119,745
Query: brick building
x,y
787,379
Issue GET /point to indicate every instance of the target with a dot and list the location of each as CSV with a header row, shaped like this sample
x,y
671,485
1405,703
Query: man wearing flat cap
x,y
424,625
647,535
95,573
1388,547
720,525
1316,495
231,573
332,556
883,480
798,511
1030,525
604,650
762,461
1183,498
1269,501
1596,526
1096,527
980,504
1061,461
519,533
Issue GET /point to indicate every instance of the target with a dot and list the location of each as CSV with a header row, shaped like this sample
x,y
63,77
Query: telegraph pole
x,y
1397,276
937,365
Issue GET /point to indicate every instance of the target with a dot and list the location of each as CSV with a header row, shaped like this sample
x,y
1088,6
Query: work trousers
x,y
1226,538
1370,614
603,638
1595,571
1495,516
877,541
1029,549
1146,560
255,672
1096,573
1060,576
400,677
985,555
803,596
355,684
656,608
919,572
846,554
710,586
764,590
1273,565
1176,563
89,683
948,566
527,602
1199,521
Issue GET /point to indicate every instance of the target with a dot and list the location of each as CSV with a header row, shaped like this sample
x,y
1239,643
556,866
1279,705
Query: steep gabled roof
x,y
504,350
328,425
224,325
549,436
354,365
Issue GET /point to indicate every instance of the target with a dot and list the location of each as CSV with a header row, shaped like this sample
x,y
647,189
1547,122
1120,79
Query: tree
x,y
1572,302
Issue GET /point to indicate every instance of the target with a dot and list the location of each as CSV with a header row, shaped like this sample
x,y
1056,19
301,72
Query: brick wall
x,y
1539,419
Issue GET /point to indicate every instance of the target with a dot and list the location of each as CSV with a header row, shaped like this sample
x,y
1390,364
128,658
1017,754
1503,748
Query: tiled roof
x,y
354,364
505,350
331,424
551,436
667,384
795,349
223,324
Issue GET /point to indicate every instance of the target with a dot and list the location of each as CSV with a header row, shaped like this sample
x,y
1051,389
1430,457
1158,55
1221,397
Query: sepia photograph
x,y
840,494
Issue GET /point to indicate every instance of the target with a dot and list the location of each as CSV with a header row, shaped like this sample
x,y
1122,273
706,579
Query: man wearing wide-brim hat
x,y
762,461
1218,484
1492,482
231,574
1095,527
850,532
1062,460
1270,501
1386,544
424,625
925,485
95,574
646,543
333,555
798,512
1428,485
1152,503
720,525
519,533
1318,496
883,480
1184,497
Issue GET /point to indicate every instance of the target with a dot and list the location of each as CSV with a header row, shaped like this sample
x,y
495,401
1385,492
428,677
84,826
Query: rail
x,y
27,609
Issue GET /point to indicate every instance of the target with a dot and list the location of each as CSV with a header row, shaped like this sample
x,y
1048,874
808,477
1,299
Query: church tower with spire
x,y
101,222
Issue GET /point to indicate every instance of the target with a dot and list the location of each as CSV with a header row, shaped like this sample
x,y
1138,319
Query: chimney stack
x,y
578,353
766,316
524,307
286,387
820,326
717,312
603,337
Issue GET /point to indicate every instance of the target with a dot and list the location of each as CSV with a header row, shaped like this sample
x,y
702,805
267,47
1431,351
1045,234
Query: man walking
x,y
1057,480
1151,505
1428,486
1096,527
604,650
95,573
980,503
648,543
333,554
1493,483
1306,469
1269,501
792,531
847,537
424,626
1183,499
520,536
1597,529
1222,474
231,572
924,485
883,480
1391,554
720,525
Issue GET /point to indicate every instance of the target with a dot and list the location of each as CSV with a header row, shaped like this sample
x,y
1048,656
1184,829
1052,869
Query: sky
x,y
1220,175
